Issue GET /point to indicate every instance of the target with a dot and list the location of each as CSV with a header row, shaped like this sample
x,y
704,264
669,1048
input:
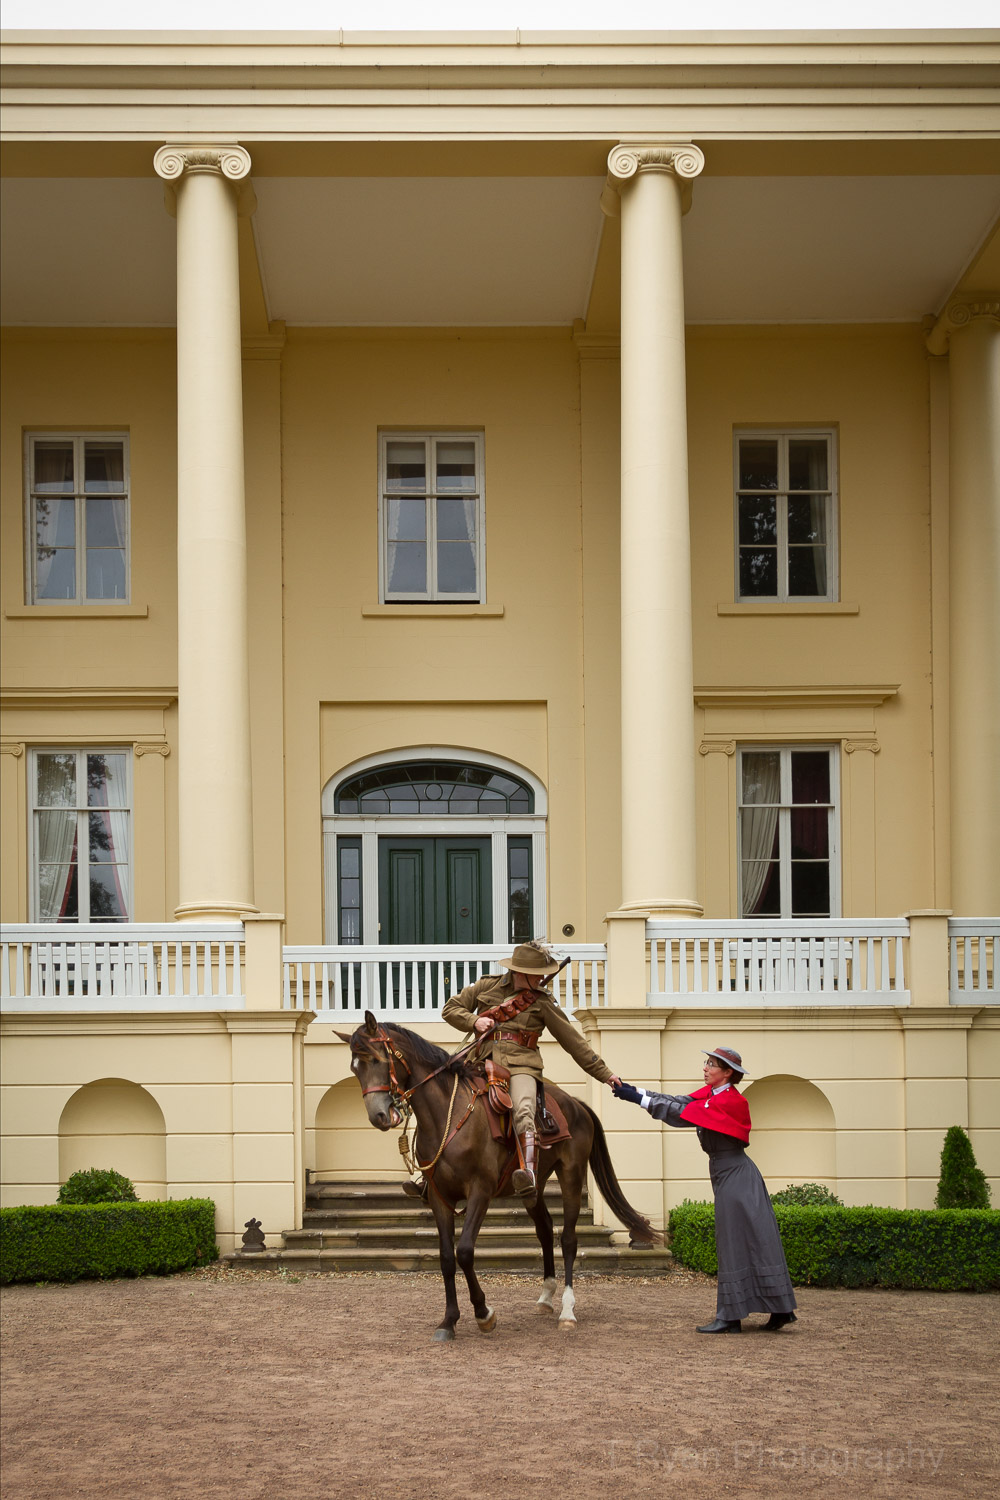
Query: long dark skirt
x,y
753,1274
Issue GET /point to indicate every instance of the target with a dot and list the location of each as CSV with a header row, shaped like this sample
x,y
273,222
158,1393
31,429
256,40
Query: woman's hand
x,y
626,1091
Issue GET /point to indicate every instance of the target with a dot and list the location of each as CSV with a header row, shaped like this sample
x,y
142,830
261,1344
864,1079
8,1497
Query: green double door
x,y
435,890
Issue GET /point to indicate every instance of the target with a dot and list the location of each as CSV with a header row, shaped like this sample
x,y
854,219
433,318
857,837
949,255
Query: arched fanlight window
x,y
434,788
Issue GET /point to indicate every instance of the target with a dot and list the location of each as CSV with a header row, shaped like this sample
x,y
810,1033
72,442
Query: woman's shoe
x,y
778,1320
722,1325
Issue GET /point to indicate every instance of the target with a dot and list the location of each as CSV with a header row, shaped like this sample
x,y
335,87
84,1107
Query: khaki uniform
x,y
525,1063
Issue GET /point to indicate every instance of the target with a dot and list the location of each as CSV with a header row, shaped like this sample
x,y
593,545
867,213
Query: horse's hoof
x,y
567,1325
545,1307
443,1335
487,1324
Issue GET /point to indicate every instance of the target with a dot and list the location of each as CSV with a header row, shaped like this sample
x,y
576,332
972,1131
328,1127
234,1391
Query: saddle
x,y
494,1087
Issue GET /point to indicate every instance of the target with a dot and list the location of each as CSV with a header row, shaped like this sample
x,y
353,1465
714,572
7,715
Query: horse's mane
x,y
427,1052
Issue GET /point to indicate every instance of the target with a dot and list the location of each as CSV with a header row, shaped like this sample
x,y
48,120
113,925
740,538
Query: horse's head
x,y
372,1066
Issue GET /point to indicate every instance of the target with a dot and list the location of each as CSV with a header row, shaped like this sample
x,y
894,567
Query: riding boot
x,y
523,1181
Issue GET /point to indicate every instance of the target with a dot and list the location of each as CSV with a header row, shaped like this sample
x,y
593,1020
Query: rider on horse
x,y
520,1005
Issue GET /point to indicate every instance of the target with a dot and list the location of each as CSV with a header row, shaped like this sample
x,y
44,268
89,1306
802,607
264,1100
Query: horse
x,y
460,1158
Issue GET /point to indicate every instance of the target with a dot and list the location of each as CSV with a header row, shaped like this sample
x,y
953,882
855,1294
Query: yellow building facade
x,y
459,491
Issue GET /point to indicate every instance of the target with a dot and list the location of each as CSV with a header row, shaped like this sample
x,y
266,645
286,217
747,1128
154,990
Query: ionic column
x,y
213,749
969,329
657,684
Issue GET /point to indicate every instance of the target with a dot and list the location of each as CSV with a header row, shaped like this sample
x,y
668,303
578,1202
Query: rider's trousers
x,y
522,1095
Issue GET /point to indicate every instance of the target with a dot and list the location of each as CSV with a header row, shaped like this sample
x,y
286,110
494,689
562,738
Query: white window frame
x,y
78,439
430,438
783,435
370,827
784,826
83,833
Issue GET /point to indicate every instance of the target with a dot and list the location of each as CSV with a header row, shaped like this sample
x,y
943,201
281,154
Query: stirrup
x,y
416,1189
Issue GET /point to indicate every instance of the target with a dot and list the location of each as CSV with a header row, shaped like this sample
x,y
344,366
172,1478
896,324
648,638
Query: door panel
x,y
435,890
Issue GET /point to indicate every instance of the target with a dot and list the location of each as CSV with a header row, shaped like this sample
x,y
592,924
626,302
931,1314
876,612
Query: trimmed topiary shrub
x,y
808,1195
947,1250
74,1242
962,1184
98,1185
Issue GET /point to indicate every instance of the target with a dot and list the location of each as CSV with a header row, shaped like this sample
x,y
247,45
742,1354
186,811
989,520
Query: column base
x,y
666,906
213,911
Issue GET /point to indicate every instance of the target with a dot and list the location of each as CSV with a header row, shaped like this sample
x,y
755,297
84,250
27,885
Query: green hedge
x,y
70,1242
944,1250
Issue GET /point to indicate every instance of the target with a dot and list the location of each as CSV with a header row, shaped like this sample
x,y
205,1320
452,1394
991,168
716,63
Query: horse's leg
x,y
444,1217
542,1220
571,1182
475,1213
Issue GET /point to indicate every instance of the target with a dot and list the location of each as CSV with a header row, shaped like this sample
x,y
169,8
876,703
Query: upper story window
x,y
788,832
78,517
431,517
81,835
786,515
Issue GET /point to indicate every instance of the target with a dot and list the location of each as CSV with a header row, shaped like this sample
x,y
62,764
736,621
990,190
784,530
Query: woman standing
x,y
753,1275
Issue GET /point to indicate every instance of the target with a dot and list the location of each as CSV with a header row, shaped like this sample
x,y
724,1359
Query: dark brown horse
x,y
398,1069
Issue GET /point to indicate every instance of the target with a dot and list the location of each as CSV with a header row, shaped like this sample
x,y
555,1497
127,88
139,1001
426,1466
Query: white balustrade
x,y
413,983
973,944
831,961
121,966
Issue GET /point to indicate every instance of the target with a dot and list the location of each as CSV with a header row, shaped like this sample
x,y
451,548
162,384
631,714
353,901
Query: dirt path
x,y
213,1384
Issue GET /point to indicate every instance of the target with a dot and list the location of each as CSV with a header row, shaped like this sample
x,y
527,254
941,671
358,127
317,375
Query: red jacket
x,y
728,1112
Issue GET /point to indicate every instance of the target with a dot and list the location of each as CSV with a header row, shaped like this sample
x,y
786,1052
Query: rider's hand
x,y
482,1025
614,1082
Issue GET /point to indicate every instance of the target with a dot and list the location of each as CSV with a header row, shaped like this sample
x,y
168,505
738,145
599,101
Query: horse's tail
x,y
639,1227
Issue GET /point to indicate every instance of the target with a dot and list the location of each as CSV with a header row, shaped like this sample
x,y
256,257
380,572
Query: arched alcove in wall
x,y
115,1123
348,1144
794,1132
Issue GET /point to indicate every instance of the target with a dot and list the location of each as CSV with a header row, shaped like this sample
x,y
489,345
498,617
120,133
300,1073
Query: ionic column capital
x,y
681,160
958,314
231,162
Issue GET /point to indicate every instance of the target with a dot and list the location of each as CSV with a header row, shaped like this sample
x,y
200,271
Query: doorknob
x,y
463,911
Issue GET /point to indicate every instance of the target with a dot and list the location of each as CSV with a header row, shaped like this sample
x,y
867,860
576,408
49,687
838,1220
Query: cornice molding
x,y
86,697
959,313
835,696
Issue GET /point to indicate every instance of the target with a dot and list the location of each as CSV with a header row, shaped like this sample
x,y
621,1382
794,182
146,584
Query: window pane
x,y
405,466
765,892
350,893
758,521
807,571
806,518
407,520
810,889
108,836
762,777
758,464
810,833
55,523
56,772
456,568
350,925
407,568
807,464
105,574
54,467
758,573
106,780
104,468
55,573
350,862
456,466
58,892
107,893
456,520
810,776
106,523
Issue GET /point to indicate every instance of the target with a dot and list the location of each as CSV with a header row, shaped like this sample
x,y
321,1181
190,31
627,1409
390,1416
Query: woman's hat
x,y
531,958
729,1058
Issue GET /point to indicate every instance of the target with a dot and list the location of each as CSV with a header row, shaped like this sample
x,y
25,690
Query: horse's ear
x,y
371,1025
345,1036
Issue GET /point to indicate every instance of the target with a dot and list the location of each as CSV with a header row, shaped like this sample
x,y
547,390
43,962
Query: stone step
x,y
505,1211
386,1195
597,1260
393,1238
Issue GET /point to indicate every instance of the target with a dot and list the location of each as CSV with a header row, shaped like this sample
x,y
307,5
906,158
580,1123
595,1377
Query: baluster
x,y
871,965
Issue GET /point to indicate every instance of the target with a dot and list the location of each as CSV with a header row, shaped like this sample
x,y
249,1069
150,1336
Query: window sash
x,y
429,494
83,817
78,495
785,807
781,494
